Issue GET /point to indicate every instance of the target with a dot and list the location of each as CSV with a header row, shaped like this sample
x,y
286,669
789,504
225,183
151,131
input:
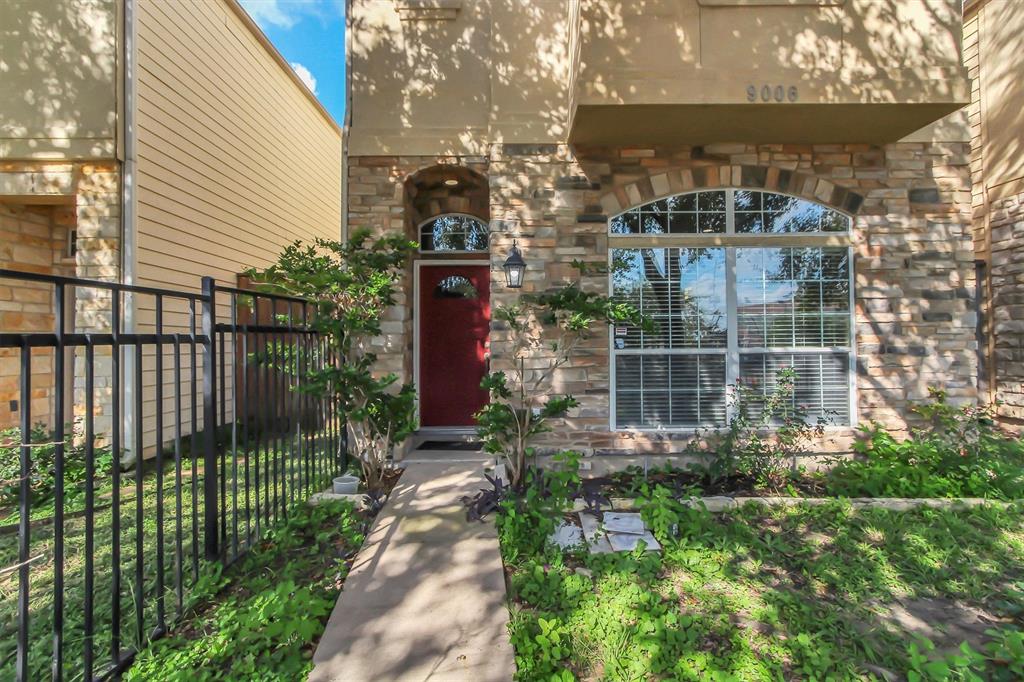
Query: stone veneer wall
x,y
998,231
98,209
32,238
84,197
376,201
912,239
1006,222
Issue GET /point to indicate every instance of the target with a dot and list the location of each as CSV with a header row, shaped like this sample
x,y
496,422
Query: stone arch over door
x,y
661,182
447,335
444,189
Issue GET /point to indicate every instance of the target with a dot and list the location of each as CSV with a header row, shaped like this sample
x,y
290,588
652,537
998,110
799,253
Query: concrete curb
x,y
723,503
358,499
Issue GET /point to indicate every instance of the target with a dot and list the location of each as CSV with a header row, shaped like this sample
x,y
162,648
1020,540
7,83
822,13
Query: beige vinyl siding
x,y
235,160
1001,63
972,62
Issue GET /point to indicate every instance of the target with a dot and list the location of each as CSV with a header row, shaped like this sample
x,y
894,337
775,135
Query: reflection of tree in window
x,y
793,296
697,212
681,290
455,286
454,233
792,308
766,212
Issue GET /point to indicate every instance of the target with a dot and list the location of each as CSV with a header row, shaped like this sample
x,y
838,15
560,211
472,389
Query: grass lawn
x,y
261,618
805,593
176,598
41,574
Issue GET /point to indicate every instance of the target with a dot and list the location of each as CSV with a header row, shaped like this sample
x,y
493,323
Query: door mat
x,y
463,445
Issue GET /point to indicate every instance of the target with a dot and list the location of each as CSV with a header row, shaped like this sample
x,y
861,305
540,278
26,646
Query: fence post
x,y
210,505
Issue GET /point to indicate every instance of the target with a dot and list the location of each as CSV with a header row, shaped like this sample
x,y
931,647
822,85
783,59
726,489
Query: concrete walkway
x,y
426,596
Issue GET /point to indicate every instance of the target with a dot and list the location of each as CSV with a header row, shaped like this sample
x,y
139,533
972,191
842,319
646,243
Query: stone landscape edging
x,y
357,499
721,503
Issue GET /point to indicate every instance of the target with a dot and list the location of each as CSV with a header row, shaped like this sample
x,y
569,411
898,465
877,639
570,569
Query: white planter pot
x,y
346,485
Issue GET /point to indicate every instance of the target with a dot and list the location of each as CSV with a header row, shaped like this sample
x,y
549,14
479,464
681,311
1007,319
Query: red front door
x,y
455,316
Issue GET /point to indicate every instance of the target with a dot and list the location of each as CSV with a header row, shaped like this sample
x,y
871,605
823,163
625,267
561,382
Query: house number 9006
x,y
771,93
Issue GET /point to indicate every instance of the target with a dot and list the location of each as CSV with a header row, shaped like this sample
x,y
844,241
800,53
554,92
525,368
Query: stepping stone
x,y
627,542
601,541
618,522
597,539
357,499
567,535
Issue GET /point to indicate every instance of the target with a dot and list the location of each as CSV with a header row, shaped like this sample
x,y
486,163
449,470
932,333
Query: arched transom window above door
x,y
454,232
730,211
739,284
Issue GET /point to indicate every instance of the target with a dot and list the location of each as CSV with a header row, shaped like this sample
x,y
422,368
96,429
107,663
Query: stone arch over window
x,y
445,189
662,183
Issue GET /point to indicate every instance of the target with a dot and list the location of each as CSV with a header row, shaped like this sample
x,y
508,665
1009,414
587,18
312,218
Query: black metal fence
x,y
172,428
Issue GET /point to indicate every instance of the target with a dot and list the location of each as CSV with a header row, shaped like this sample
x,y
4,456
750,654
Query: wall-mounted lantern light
x,y
515,268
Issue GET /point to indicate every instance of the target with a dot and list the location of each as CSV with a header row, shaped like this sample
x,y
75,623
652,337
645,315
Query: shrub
x,y
958,452
546,330
525,521
352,284
767,431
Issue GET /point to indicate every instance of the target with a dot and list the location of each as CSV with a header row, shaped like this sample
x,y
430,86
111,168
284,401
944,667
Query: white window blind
x,y
822,387
725,315
659,389
793,297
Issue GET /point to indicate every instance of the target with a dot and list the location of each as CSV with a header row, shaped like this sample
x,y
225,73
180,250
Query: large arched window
x,y
453,232
725,211
740,284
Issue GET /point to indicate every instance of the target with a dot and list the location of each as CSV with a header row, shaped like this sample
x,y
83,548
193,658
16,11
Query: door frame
x,y
416,313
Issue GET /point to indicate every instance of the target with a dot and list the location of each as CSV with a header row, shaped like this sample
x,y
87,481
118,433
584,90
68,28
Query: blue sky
x,y
310,34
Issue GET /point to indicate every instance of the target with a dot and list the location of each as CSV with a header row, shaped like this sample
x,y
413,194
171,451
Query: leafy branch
x,y
546,330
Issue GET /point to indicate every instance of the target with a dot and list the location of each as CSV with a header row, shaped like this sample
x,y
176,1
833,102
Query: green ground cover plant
x,y
803,593
952,451
794,593
955,452
261,618
41,472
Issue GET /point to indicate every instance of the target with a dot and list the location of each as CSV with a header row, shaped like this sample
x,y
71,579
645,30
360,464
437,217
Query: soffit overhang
x,y
667,124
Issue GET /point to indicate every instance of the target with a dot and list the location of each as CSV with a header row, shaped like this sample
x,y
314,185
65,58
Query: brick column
x,y
98,212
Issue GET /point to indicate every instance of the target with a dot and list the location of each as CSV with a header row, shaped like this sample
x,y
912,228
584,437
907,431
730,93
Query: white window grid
x,y
731,241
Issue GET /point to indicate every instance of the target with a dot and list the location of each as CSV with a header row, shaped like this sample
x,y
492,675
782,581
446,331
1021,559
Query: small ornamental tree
x,y
351,284
546,330
768,430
